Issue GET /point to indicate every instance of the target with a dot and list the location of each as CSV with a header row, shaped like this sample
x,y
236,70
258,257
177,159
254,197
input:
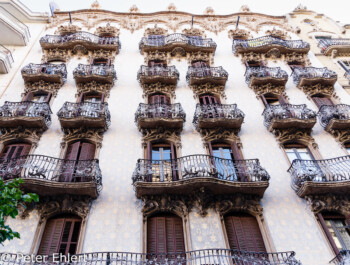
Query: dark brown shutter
x,y
264,100
282,99
81,98
87,151
68,167
173,164
48,97
243,233
320,101
72,151
149,150
13,151
237,155
102,97
28,97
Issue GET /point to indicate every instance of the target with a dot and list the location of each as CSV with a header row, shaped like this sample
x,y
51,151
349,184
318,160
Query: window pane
x,y
166,153
339,232
304,154
291,154
155,153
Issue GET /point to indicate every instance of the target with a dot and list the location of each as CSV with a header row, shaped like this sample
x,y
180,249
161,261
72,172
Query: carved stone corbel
x,y
68,29
157,55
42,86
292,134
327,90
102,54
155,31
209,88
252,56
268,88
94,135
341,136
200,56
194,32
107,30
160,133
55,55
31,134
329,203
274,53
94,86
178,53
152,88
238,34
231,135
239,203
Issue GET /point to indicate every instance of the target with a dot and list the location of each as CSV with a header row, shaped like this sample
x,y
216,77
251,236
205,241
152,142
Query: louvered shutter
x,y
243,233
173,163
28,97
87,152
282,99
48,97
68,166
320,101
51,237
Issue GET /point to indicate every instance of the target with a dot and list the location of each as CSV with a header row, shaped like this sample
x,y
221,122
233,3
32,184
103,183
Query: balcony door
x,y
159,106
201,68
157,68
243,233
165,235
91,104
77,161
34,110
61,235
10,164
162,156
211,106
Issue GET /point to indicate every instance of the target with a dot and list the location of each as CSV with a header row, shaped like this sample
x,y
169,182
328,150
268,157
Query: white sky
x,y
336,9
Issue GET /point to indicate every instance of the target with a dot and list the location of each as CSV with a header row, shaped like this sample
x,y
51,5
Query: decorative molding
x,y
327,90
244,8
42,86
277,33
200,56
292,134
342,136
161,133
156,55
95,5
31,134
194,32
94,86
68,29
240,34
268,88
149,89
231,135
94,135
297,57
209,11
330,203
239,203
102,54
209,88
107,30
178,53
300,8
252,57
79,50
155,31
55,55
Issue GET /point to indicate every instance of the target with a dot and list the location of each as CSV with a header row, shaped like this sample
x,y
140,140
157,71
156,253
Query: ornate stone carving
x,y
244,8
237,33
177,204
79,50
239,203
209,88
155,31
268,88
178,52
171,7
297,57
94,86
55,55
277,33
156,55
107,30
94,135
194,32
327,90
209,11
209,135
42,86
102,54
31,134
200,56
342,136
149,89
329,202
274,53
300,8
134,9
95,5
172,135
252,57
68,29
292,134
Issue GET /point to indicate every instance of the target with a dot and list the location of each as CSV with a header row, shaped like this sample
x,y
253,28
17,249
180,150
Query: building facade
x,y
222,139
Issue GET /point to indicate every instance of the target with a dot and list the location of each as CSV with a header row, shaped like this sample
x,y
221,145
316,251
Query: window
x,y
321,100
254,64
243,233
158,99
323,37
13,151
155,63
165,234
38,97
271,99
91,98
61,235
337,230
101,61
297,151
345,65
208,99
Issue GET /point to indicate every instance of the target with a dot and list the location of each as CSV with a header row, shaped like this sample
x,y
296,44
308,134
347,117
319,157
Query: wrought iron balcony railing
x,y
320,176
103,72
26,113
177,39
308,75
39,172
269,73
265,41
213,113
80,36
199,166
148,74
91,112
342,258
327,45
217,74
288,115
205,256
47,72
335,116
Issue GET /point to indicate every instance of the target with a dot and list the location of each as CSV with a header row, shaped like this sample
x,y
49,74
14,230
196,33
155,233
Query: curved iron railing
x,y
269,40
176,38
342,258
324,44
27,109
197,166
164,71
85,109
198,72
50,69
196,257
275,72
213,111
287,111
81,36
312,72
52,169
89,69
328,170
337,112
159,110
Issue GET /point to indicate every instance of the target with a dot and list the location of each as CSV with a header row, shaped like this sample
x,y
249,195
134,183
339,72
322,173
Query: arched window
x,y
158,98
61,235
297,151
165,234
13,151
336,228
92,97
243,232
207,99
272,99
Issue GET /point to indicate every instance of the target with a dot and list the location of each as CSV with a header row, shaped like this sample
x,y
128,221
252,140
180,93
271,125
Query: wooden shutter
x,y
282,99
173,164
48,97
28,97
243,233
159,99
237,155
87,151
68,167
72,151
208,99
264,100
320,101
13,151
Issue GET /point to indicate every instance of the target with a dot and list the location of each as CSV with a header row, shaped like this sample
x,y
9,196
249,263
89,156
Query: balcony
x,y
52,73
185,174
48,176
162,115
340,46
257,76
285,116
308,76
167,75
205,256
342,258
85,114
203,75
218,115
85,39
313,177
177,40
266,43
335,117
6,60
86,73
27,114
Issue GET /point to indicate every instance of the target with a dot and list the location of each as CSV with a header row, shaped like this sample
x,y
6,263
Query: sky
x,y
336,9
